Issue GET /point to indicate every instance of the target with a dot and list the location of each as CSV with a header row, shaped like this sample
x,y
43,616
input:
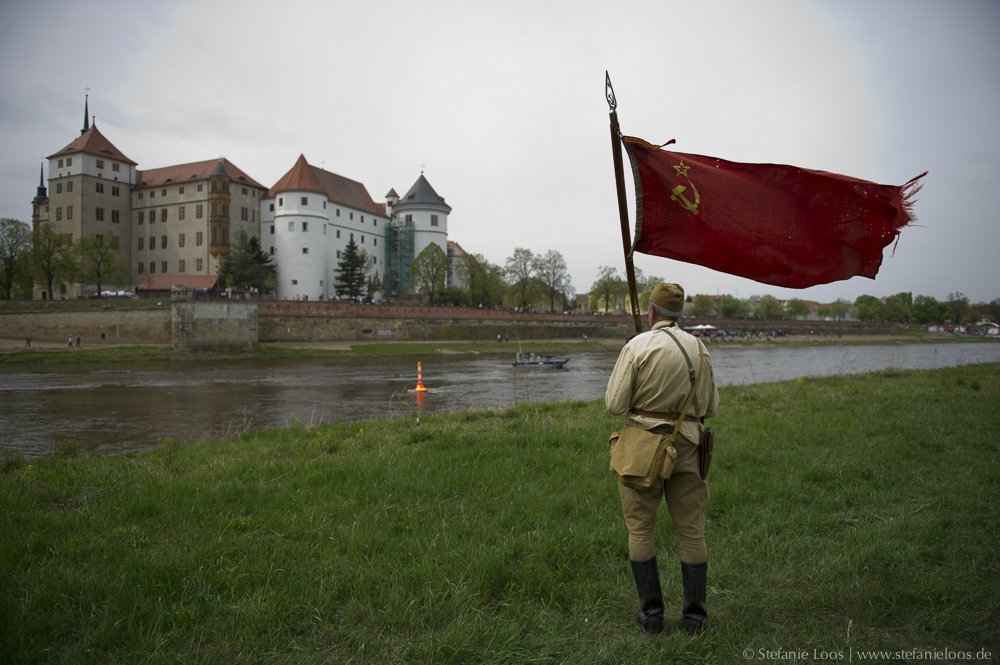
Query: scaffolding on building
x,y
399,256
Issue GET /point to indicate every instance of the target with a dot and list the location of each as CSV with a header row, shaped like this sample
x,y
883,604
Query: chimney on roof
x,y
86,113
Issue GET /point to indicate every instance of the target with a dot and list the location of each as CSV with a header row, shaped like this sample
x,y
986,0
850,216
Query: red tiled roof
x,y
93,142
299,179
304,177
193,171
166,282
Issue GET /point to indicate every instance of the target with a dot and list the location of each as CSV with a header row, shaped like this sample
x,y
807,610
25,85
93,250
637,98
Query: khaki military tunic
x,y
653,375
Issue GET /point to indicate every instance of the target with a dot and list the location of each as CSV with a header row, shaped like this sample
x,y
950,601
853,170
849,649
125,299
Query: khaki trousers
x,y
686,495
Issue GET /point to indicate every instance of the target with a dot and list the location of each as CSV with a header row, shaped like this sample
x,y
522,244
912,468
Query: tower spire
x,y
41,193
86,112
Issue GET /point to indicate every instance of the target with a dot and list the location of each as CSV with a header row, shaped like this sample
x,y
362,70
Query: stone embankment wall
x,y
147,325
214,323
218,323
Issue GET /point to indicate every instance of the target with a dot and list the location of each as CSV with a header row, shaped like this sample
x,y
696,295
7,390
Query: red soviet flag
x,y
775,224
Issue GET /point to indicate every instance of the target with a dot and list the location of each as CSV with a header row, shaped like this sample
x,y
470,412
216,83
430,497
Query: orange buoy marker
x,y
420,383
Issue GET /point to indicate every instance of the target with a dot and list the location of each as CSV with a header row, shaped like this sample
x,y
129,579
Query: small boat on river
x,y
531,360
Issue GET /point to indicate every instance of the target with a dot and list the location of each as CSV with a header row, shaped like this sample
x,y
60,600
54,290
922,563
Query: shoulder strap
x,y
695,379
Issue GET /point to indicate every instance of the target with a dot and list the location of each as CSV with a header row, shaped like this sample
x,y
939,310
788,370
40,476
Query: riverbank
x,y
844,518
15,351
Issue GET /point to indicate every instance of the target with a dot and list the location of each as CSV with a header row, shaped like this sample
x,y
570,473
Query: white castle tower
x,y
307,220
419,218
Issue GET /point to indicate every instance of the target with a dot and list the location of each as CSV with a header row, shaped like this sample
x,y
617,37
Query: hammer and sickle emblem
x,y
677,194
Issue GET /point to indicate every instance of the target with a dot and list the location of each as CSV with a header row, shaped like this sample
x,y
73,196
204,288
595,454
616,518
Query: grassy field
x,y
848,515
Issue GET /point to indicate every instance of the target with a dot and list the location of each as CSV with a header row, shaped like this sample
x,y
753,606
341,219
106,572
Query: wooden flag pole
x,y
616,151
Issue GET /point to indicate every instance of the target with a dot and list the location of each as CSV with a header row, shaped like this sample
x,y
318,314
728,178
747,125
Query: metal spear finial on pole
x,y
616,151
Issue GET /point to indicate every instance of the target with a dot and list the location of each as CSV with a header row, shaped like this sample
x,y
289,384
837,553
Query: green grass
x,y
861,506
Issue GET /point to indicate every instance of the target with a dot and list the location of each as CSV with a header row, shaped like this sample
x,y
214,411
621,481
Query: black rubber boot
x,y
695,579
647,583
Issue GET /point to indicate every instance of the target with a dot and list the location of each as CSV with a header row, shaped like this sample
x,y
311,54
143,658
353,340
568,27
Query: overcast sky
x,y
502,106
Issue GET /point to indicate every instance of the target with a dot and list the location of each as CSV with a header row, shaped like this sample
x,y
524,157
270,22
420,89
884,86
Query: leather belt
x,y
665,416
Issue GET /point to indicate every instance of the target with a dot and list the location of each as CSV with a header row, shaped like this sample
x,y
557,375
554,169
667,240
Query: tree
x,y
731,306
471,269
51,257
927,309
15,257
247,265
958,305
520,270
100,261
796,307
608,288
703,305
551,270
863,307
430,270
893,308
352,272
768,307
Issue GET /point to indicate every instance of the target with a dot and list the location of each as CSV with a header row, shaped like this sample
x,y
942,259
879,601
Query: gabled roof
x,y
194,171
303,177
92,142
421,193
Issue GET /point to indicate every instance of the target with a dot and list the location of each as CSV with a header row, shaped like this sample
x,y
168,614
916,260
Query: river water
x,y
130,407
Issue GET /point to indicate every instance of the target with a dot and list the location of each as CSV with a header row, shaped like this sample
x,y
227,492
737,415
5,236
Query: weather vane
x,y
612,103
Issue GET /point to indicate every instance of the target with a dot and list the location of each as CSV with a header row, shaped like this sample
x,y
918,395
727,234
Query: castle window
x,y
180,240
199,264
199,211
142,245
180,190
140,196
352,216
163,267
69,161
152,243
115,216
244,214
181,213
58,214
99,187
362,219
305,226
291,226
305,200
60,163
163,243
200,187
59,188
294,282
141,268
116,166
434,220
272,229
199,239
69,212
99,214
281,200
152,194
271,207
100,163
142,216
338,233
181,265
163,192
69,186
163,214
375,241
152,267
305,250
244,191
115,190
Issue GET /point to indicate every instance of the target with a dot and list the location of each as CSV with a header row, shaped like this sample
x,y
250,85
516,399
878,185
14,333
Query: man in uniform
x,y
652,380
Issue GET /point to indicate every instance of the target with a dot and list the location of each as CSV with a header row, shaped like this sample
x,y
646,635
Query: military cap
x,y
669,296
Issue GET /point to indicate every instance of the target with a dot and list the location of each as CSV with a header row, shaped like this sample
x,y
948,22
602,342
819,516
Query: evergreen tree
x,y
15,252
247,265
352,269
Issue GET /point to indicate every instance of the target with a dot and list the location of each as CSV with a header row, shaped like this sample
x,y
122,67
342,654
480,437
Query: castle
x,y
175,224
